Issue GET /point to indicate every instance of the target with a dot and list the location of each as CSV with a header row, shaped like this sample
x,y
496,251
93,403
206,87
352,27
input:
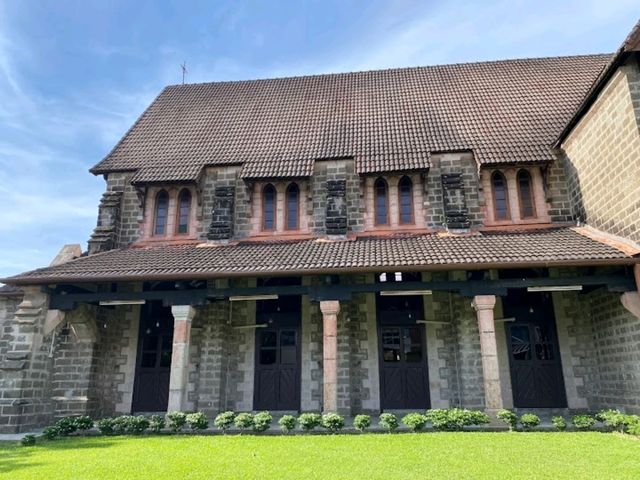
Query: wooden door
x,y
277,371
404,377
153,363
536,370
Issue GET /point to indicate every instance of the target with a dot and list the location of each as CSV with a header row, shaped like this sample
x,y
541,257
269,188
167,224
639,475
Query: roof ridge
x,y
390,69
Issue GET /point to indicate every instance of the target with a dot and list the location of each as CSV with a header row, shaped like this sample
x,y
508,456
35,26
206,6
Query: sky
x,y
74,75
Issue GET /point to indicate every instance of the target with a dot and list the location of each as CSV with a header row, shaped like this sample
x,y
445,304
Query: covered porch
x,y
380,333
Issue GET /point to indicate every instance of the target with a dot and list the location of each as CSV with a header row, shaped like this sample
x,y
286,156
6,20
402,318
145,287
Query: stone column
x,y
330,311
483,305
182,317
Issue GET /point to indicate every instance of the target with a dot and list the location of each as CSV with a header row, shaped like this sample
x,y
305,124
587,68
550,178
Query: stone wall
x,y
130,210
446,164
601,158
335,170
616,337
25,366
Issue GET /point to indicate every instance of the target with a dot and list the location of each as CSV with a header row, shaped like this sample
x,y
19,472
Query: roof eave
x,y
22,281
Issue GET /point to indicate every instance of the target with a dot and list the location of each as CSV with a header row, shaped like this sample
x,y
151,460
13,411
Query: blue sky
x,y
74,75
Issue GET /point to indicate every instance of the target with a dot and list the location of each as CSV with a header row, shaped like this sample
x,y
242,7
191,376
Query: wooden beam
x,y
62,300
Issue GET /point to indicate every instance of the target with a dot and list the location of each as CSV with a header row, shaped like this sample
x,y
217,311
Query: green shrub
x,y
156,423
583,422
121,424
51,433
508,417
633,427
309,421
613,419
560,423
362,422
83,422
529,421
332,422
137,425
455,419
28,440
224,421
262,421
197,421
388,421
66,426
106,426
244,421
176,420
415,421
287,423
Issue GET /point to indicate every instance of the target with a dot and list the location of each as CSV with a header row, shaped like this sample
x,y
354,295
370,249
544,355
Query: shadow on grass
x,y
14,456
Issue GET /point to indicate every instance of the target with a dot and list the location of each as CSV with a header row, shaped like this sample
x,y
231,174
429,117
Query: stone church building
x,y
456,235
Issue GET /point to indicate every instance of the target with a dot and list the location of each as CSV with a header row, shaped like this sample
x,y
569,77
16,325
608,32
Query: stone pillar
x,y
483,305
330,311
182,317
25,401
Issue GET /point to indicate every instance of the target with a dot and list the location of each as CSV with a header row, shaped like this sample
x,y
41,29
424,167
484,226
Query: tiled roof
x,y
630,45
10,291
560,246
504,111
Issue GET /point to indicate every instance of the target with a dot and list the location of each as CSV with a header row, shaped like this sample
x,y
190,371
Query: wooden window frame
x,y
412,220
532,198
505,186
155,213
286,207
179,208
275,207
375,202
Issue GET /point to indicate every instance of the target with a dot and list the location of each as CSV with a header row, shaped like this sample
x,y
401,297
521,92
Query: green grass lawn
x,y
400,456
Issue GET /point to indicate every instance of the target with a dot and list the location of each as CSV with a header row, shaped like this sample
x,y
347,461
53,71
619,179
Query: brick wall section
x,y
311,368
130,212
335,170
616,334
8,306
114,329
213,361
25,367
557,193
448,163
223,177
601,158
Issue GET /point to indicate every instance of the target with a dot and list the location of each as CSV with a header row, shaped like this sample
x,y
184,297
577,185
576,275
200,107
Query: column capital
x,y
631,301
483,302
330,307
183,312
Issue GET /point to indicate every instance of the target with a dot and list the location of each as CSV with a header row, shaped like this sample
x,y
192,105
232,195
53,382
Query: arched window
x,y
292,207
500,196
184,210
405,192
162,208
381,200
525,195
269,208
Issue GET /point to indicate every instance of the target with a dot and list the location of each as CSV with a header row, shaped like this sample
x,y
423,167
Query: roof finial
x,y
184,70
